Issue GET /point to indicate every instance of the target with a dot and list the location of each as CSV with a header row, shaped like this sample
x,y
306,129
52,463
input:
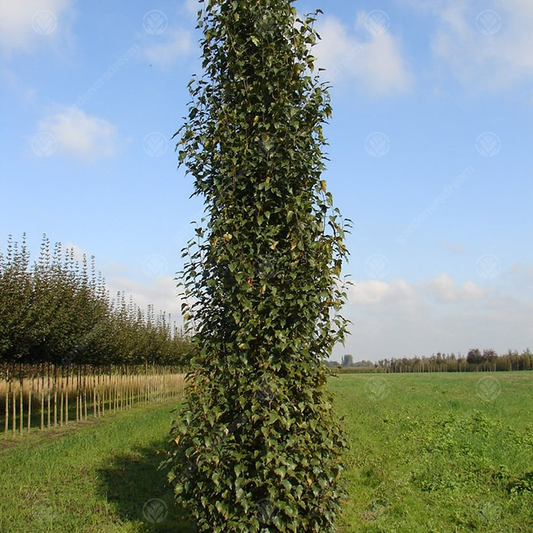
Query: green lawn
x,y
438,452
99,478
429,453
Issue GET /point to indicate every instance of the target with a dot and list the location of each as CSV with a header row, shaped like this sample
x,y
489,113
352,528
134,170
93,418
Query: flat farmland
x,y
429,453
438,452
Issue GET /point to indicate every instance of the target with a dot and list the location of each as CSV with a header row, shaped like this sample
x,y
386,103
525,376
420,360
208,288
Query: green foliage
x,y
474,356
58,311
258,447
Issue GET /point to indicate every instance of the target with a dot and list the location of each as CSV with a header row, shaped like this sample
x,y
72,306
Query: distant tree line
x,y
475,361
58,310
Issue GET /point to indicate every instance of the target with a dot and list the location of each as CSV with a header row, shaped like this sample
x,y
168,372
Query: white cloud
x,y
443,288
162,294
398,318
81,135
177,43
486,47
379,292
27,24
375,63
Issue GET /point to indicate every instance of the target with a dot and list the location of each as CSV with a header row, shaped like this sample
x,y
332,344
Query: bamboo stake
x,y
42,396
103,392
42,408
55,394
113,404
21,396
80,390
66,395
14,421
29,403
110,389
115,392
85,394
79,393
91,378
61,395
6,425
48,403
78,406
98,394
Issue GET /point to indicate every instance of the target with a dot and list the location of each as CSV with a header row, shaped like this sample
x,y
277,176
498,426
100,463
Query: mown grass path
x,y
100,478
430,453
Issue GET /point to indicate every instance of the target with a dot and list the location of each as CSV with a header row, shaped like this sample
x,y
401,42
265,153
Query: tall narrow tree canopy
x,y
253,142
258,447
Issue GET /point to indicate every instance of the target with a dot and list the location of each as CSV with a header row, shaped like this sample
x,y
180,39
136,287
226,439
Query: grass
x,y
100,478
429,453
438,452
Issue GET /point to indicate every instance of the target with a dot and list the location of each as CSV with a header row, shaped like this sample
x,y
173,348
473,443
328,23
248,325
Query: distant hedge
x,y
58,310
475,361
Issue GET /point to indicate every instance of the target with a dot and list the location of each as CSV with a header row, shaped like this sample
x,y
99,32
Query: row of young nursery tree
x,y
58,310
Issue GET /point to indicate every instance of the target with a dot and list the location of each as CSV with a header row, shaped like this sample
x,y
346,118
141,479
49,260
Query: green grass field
x,y
102,477
429,453
438,453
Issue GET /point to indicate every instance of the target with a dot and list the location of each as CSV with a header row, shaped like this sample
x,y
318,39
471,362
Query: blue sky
x,y
431,148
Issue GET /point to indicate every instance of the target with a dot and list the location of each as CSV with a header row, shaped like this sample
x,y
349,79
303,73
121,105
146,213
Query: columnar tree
x,y
257,445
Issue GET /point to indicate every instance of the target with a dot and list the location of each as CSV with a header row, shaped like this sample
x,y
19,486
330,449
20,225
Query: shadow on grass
x,y
136,488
